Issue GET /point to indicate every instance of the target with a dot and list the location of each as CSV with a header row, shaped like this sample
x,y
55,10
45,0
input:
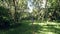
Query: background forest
x,y
29,16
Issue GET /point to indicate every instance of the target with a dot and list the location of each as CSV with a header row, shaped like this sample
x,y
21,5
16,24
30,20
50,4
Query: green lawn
x,y
38,28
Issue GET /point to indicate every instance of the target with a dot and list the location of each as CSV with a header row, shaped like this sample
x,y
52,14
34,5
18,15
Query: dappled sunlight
x,y
58,26
49,33
49,23
47,28
45,31
39,28
29,17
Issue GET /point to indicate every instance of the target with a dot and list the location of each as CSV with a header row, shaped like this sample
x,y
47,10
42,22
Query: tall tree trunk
x,y
46,11
15,14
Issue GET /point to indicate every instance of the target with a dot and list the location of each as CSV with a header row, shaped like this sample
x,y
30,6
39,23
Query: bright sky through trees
x,y
31,5
44,3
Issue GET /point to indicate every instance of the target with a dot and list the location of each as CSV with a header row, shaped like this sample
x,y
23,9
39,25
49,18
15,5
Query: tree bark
x,y
15,9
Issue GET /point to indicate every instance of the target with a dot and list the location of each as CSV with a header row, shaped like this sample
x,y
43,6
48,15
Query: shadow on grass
x,y
58,21
22,28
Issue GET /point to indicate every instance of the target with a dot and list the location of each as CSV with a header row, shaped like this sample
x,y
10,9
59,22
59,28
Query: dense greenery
x,y
14,13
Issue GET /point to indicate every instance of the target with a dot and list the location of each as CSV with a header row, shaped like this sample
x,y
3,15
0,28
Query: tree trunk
x,y
15,13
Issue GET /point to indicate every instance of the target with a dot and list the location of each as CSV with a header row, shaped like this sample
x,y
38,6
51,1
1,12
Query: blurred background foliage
x,y
15,11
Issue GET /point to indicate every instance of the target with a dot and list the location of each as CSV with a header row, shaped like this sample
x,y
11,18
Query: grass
x,y
39,28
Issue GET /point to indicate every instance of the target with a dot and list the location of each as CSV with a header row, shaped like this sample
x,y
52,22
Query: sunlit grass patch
x,y
49,33
45,32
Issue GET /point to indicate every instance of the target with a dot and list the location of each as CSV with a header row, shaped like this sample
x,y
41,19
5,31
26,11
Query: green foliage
x,y
4,11
18,12
4,17
53,3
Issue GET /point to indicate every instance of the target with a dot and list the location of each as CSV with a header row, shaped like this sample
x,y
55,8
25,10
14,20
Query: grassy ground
x,y
38,28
